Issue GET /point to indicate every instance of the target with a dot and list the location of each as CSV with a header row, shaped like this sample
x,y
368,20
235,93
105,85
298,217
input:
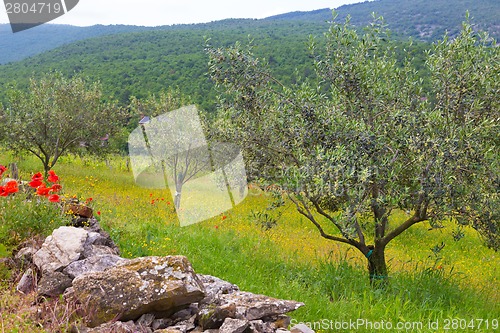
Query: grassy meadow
x,y
455,290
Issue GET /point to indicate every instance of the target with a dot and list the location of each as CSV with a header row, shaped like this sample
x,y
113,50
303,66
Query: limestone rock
x,y
174,329
185,314
145,320
27,283
279,321
64,246
170,330
68,294
99,243
93,264
259,326
53,284
212,316
214,287
115,327
189,324
243,305
233,325
161,323
98,250
25,255
157,285
251,306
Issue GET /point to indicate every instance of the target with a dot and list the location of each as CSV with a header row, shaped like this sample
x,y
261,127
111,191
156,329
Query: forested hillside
x,y
137,61
147,62
421,19
427,19
45,37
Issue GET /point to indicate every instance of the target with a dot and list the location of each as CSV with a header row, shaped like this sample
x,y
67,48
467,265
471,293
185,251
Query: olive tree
x,y
58,115
364,142
173,137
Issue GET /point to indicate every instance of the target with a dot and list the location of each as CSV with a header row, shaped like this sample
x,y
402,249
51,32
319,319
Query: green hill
x,y
425,19
139,61
147,62
49,36
421,19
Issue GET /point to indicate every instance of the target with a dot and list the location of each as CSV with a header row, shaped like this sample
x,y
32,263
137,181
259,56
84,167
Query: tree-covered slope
x,y
427,19
15,47
146,62
421,19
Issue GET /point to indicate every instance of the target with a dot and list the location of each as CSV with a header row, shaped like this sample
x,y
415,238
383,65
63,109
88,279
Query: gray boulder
x,y
25,255
259,326
234,326
214,287
53,284
64,246
243,305
27,284
251,306
157,285
96,263
114,327
99,243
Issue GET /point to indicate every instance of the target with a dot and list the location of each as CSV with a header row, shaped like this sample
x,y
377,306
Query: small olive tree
x,y
367,141
182,157
58,115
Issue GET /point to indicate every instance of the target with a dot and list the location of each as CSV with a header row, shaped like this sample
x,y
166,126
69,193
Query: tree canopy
x,y
369,142
58,115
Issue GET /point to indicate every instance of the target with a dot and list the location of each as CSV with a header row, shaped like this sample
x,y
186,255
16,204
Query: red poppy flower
x,y
53,178
2,170
224,217
53,198
99,212
3,193
55,188
42,190
36,180
37,176
35,183
11,187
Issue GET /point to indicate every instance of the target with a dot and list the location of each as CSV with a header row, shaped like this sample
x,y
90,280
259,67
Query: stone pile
x,y
144,295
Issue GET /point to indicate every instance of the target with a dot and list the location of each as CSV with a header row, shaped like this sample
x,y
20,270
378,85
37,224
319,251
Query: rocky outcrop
x,y
147,294
157,285
243,305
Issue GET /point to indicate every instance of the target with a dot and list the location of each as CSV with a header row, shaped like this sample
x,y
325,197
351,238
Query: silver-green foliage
x,y
58,115
367,140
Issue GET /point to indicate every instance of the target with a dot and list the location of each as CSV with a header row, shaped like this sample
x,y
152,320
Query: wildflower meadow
x,y
434,278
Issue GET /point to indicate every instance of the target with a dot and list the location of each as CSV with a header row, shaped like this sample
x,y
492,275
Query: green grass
x,y
291,261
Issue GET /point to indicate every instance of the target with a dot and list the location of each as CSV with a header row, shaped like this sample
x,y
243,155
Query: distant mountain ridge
x,y
15,47
427,20
421,19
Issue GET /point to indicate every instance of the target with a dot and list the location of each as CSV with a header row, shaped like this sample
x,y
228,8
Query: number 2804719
x,y
33,8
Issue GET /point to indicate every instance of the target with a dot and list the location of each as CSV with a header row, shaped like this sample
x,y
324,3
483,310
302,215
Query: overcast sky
x,y
166,12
